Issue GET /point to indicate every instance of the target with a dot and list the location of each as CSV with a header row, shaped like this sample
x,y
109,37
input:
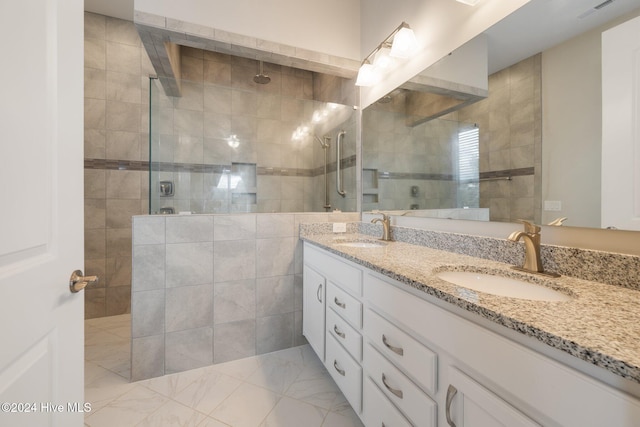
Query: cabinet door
x,y
469,404
313,316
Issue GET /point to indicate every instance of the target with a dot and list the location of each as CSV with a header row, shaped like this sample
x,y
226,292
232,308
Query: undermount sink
x,y
361,244
502,286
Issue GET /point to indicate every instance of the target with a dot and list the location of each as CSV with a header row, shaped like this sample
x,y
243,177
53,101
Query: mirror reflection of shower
x,y
324,143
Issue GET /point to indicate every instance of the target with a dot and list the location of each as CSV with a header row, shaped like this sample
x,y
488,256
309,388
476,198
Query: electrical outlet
x,y
552,205
339,227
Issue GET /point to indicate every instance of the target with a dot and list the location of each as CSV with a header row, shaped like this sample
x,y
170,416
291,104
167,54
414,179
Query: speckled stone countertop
x,y
600,324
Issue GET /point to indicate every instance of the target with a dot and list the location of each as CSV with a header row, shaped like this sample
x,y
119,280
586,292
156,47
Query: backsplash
x,y
604,267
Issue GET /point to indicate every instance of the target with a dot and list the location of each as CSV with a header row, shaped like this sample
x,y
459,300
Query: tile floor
x,y
286,388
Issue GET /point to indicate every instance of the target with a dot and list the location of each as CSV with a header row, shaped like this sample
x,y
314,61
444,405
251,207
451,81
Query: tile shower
x,y
192,145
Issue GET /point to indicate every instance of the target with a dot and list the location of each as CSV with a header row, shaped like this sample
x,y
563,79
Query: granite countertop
x,y
600,324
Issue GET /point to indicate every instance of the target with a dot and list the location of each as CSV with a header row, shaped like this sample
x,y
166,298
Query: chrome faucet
x,y
386,225
531,238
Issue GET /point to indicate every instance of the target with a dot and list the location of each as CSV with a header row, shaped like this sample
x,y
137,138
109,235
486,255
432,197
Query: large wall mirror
x,y
527,148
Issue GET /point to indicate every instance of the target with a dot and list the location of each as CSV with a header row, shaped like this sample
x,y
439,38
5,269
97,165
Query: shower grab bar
x,y
339,187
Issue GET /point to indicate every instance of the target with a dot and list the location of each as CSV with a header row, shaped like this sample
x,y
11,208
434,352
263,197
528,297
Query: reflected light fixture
x,y
401,43
469,2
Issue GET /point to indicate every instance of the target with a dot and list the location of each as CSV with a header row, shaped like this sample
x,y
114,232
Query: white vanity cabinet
x,y
313,308
406,359
341,318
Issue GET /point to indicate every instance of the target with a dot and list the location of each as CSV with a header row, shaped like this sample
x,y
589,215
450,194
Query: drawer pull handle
x,y
451,393
397,350
339,304
319,293
391,389
335,365
338,332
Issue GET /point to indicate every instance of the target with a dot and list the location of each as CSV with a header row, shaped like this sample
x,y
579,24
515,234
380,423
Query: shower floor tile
x,y
278,389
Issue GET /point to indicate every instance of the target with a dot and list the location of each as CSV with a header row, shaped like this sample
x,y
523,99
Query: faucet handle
x,y
530,227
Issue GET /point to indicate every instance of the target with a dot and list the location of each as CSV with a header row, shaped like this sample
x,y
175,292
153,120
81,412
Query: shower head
x,y
325,143
261,78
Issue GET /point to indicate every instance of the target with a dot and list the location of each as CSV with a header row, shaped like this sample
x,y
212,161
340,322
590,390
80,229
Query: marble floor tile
x,y
277,389
233,410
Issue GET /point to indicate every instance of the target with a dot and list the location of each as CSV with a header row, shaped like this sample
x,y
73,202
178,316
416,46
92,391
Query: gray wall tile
x,y
147,313
274,333
234,340
275,225
275,257
189,307
189,264
233,301
189,349
148,230
147,357
275,295
234,260
190,228
234,227
148,267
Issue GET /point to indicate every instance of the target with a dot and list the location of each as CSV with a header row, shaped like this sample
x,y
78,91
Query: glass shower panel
x,y
243,148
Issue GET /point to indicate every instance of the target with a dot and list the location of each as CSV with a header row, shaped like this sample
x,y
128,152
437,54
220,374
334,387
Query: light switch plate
x,y
552,205
339,227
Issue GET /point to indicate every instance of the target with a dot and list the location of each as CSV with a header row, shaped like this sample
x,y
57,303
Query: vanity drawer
x,y
345,371
345,334
377,410
399,389
405,352
348,307
346,275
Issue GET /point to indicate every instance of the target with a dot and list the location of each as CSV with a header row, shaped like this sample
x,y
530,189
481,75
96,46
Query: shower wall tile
x,y
275,225
148,230
95,53
147,357
122,184
276,295
122,57
118,242
189,229
189,264
123,116
276,256
234,301
149,267
95,143
234,260
95,244
118,271
120,211
188,349
234,340
148,313
94,214
123,145
189,307
234,227
274,333
118,300
94,302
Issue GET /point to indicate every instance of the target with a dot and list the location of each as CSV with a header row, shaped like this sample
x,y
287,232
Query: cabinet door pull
x,y
338,331
339,304
319,293
451,393
335,365
391,389
396,350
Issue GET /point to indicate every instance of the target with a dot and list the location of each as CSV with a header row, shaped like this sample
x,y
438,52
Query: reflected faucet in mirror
x,y
531,238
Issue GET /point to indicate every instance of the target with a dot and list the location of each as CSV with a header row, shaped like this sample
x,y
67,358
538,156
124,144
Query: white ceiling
x,y
536,26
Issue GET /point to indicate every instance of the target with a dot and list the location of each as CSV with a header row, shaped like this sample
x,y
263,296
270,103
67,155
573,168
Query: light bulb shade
x,y
383,59
367,75
404,43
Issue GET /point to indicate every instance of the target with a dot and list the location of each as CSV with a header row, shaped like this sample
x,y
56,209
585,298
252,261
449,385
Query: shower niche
x,y
246,142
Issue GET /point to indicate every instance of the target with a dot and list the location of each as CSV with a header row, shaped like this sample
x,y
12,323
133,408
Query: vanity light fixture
x,y
469,2
401,43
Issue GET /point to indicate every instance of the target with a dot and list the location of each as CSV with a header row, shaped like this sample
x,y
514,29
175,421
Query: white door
x,y
621,126
41,212
313,315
